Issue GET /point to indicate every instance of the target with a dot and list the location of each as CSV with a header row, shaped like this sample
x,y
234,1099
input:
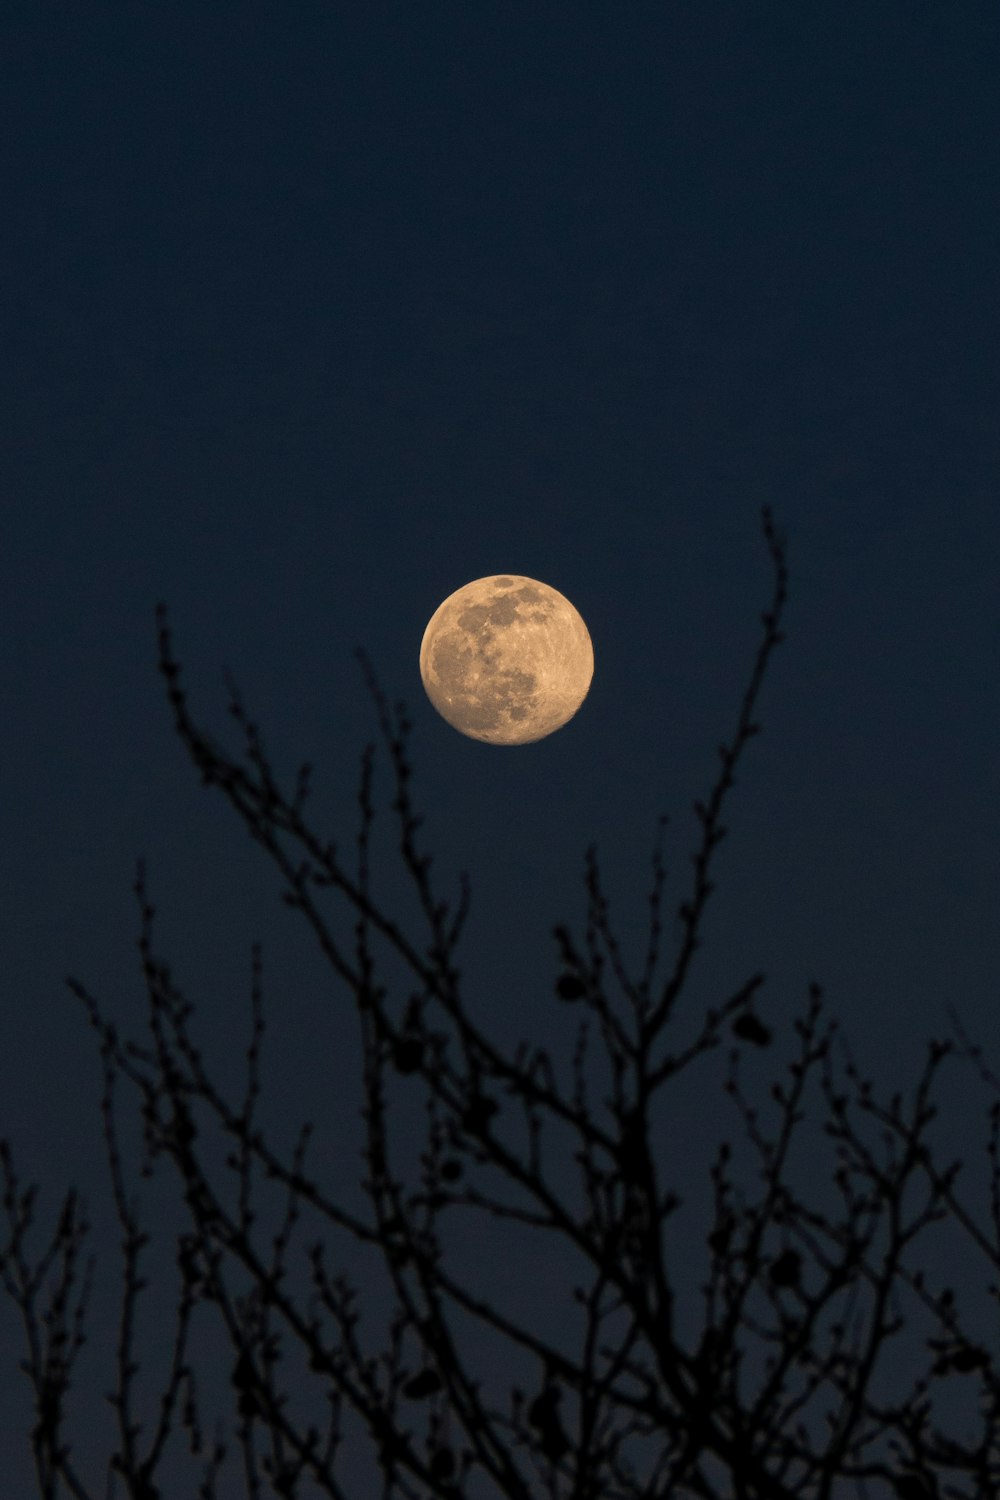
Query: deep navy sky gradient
x,y
313,313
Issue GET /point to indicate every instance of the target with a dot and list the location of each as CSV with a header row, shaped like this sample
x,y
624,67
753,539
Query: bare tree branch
x,y
785,1391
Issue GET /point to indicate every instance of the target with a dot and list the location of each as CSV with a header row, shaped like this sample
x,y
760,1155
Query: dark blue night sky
x,y
312,313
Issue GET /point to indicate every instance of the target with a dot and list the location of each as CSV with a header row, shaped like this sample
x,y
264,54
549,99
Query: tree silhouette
x,y
779,1392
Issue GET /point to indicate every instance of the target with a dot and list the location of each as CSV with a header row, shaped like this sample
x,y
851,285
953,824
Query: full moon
x,y
506,659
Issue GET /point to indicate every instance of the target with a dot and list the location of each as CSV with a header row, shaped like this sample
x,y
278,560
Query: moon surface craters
x,y
506,660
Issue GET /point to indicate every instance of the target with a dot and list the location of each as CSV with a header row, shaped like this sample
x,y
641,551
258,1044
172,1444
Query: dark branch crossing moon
x,y
506,660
